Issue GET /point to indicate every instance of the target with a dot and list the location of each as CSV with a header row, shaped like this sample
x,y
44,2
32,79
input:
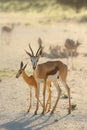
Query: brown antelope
x,y
51,70
71,48
5,32
30,80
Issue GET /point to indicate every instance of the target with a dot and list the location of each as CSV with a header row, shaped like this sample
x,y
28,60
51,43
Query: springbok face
x,y
21,69
34,58
34,61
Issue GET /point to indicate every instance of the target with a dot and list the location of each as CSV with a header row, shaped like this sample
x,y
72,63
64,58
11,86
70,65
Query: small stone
x,y
55,120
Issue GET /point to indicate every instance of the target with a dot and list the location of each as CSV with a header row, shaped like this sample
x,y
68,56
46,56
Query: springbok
x,y
71,48
6,32
51,70
30,80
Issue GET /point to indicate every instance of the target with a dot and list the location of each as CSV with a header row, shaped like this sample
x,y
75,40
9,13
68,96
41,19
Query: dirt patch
x,y
14,94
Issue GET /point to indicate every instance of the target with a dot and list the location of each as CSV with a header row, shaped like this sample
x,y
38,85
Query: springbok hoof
x,y
69,111
51,112
42,113
35,113
27,111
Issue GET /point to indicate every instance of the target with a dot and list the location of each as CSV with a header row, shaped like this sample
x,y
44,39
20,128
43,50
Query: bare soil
x,y
14,93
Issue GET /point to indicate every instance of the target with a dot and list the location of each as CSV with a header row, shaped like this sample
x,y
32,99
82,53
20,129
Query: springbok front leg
x,y
38,101
59,93
37,97
30,106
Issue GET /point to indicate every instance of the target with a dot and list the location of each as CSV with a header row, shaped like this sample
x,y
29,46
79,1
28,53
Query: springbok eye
x,y
31,60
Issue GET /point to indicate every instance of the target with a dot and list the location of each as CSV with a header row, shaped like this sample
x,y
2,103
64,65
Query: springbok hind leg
x,y
68,91
48,103
59,93
63,76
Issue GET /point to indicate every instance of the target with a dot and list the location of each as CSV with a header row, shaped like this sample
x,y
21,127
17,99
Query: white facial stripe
x,y
34,61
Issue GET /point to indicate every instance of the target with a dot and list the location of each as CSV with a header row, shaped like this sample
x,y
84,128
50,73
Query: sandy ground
x,y
14,93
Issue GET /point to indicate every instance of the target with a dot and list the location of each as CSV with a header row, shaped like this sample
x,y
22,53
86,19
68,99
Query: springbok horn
x,y
21,64
25,66
31,50
39,41
28,53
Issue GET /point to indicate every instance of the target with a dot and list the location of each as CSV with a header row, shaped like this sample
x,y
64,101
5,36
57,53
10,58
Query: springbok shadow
x,y
30,122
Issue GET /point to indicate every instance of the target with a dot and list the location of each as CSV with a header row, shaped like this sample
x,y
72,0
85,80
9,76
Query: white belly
x,y
52,77
40,80
49,78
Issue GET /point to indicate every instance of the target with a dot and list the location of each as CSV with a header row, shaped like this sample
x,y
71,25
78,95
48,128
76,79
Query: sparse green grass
x,y
10,73
73,106
64,96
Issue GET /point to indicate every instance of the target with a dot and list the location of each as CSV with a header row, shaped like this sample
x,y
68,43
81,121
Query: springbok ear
x,y
28,53
41,52
21,64
25,66
40,41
